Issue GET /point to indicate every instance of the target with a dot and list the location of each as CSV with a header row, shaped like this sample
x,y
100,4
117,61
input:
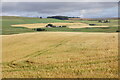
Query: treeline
x,y
73,17
61,17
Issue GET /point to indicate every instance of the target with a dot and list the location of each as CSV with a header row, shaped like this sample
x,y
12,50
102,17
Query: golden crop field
x,y
60,55
42,25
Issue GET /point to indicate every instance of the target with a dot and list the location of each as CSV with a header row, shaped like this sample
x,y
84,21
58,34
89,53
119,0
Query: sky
x,y
71,9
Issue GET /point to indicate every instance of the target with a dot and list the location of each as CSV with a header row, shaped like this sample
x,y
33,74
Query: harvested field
x,y
60,55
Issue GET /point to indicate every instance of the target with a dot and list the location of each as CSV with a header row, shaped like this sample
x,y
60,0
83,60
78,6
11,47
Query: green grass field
x,y
8,21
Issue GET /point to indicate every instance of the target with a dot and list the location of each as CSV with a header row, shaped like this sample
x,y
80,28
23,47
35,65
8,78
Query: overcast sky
x,y
44,9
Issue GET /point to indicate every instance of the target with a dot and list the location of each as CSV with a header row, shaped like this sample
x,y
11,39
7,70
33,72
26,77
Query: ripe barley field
x,y
42,25
60,55
69,25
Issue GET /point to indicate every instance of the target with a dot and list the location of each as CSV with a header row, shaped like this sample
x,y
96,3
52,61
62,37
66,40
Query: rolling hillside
x,y
60,55
7,21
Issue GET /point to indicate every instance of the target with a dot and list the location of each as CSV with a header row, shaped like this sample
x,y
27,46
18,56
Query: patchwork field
x,y
60,55
7,21
24,25
69,25
42,25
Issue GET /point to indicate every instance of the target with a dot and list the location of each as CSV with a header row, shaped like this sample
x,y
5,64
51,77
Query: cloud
x,y
55,8
60,0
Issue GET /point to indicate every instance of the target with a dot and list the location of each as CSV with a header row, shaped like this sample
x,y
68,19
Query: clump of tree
x,y
49,25
92,24
63,26
104,21
118,31
40,17
73,17
39,29
59,17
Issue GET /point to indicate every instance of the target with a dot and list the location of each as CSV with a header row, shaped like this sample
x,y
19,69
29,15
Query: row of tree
x,y
59,17
73,17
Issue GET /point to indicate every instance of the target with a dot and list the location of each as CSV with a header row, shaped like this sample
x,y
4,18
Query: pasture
x,y
60,55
